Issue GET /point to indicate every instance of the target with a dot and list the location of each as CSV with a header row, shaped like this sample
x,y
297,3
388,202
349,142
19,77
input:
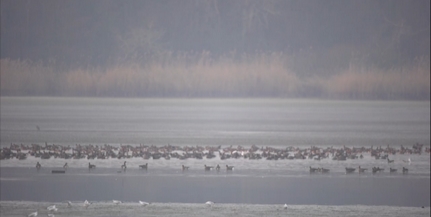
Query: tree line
x,y
379,48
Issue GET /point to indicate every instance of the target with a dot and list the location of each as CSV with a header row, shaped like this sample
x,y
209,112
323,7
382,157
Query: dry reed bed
x,y
200,75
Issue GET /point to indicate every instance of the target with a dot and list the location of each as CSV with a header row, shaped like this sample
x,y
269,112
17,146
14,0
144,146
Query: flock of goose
x,y
167,152
198,152
360,170
231,168
144,167
253,152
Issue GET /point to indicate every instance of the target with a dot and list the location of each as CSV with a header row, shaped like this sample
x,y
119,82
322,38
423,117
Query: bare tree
x,y
255,15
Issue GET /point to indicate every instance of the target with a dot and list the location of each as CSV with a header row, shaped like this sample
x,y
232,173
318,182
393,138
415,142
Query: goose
x,y
143,203
323,170
124,167
361,170
185,168
207,168
229,167
65,166
377,169
116,202
51,208
91,166
143,166
392,170
405,170
33,214
69,204
350,169
218,167
38,166
390,161
285,206
313,170
51,215
209,203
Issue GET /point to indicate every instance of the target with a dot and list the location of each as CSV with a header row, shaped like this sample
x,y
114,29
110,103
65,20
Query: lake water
x,y
254,188
272,122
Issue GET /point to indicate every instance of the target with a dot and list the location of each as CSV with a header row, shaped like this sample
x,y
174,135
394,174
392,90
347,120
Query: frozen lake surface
x,y
254,188
107,208
245,122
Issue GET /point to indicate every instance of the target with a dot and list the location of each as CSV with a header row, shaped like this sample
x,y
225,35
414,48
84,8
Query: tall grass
x,y
201,75
411,82
23,77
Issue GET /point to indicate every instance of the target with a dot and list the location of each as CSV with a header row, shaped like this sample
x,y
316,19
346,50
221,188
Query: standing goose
x,y
91,166
377,169
124,167
361,170
323,170
143,166
313,170
38,166
391,170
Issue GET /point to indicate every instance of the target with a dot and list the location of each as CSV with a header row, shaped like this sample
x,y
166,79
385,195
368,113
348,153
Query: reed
x,y
24,77
399,83
201,75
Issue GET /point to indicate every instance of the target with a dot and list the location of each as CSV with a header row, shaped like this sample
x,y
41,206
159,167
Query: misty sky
x,y
92,31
